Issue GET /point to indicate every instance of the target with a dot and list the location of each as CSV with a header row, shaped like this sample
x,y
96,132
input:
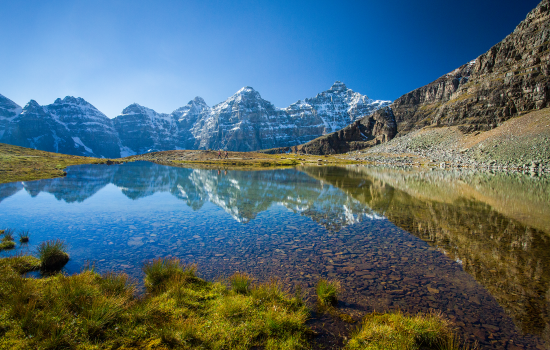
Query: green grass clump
x,y
240,282
24,236
159,271
7,235
89,311
20,263
4,245
327,292
7,239
396,331
53,255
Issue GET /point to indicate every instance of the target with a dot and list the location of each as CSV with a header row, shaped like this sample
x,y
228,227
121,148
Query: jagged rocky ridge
x,y
509,80
244,122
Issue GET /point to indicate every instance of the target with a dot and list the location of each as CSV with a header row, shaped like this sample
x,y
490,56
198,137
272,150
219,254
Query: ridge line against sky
x,y
162,55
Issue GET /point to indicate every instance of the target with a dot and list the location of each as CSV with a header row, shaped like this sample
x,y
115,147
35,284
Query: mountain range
x,y
243,122
508,81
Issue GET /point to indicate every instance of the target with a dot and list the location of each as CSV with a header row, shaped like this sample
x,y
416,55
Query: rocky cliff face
x,y
244,122
70,126
330,111
143,130
247,122
186,117
508,80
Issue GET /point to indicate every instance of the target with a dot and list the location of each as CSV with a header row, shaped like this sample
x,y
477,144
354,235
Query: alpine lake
x,y
472,245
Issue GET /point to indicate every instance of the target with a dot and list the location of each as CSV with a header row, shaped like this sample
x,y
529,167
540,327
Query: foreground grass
x,y
179,310
25,164
396,331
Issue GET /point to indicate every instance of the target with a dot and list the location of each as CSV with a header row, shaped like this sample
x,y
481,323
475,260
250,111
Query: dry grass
x,y
25,164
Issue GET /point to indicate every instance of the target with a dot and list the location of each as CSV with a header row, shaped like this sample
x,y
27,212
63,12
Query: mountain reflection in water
x,y
303,224
496,225
241,194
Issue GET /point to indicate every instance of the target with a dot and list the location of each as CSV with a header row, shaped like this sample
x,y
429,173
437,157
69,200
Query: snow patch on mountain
x,y
243,122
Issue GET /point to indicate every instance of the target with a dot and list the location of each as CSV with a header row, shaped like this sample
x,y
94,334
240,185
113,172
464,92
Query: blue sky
x,y
161,54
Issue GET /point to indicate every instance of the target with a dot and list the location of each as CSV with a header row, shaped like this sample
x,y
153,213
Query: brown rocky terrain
x,y
521,143
509,80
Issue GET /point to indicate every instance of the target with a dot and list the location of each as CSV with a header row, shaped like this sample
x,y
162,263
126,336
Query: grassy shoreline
x,y
180,311
25,164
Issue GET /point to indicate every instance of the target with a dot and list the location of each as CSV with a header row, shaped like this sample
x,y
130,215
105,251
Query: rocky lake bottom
x,y
471,245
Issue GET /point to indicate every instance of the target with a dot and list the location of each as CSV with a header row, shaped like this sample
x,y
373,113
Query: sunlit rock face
x,y
376,128
243,122
70,125
508,80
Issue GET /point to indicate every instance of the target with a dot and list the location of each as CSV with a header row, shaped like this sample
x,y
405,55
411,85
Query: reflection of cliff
x,y
242,194
510,258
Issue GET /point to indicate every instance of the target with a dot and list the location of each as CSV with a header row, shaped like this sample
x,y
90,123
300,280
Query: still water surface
x,y
474,246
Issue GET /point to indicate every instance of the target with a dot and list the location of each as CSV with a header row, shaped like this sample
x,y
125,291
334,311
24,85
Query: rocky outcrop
x,y
508,80
244,122
374,129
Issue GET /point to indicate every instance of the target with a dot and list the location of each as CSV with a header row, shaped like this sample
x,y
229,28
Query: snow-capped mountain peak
x,y
338,86
9,110
243,122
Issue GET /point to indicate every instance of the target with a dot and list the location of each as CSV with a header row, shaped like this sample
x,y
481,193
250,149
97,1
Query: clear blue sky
x,y
161,54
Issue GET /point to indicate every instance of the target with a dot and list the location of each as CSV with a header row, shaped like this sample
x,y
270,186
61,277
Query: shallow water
x,y
473,246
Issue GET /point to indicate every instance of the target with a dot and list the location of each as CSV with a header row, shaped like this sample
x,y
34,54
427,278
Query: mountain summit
x,y
243,122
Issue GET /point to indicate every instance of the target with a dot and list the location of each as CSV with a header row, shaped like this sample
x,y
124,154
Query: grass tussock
x,y
7,235
53,255
396,331
6,239
89,311
20,263
240,282
327,292
5,245
159,272
24,236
